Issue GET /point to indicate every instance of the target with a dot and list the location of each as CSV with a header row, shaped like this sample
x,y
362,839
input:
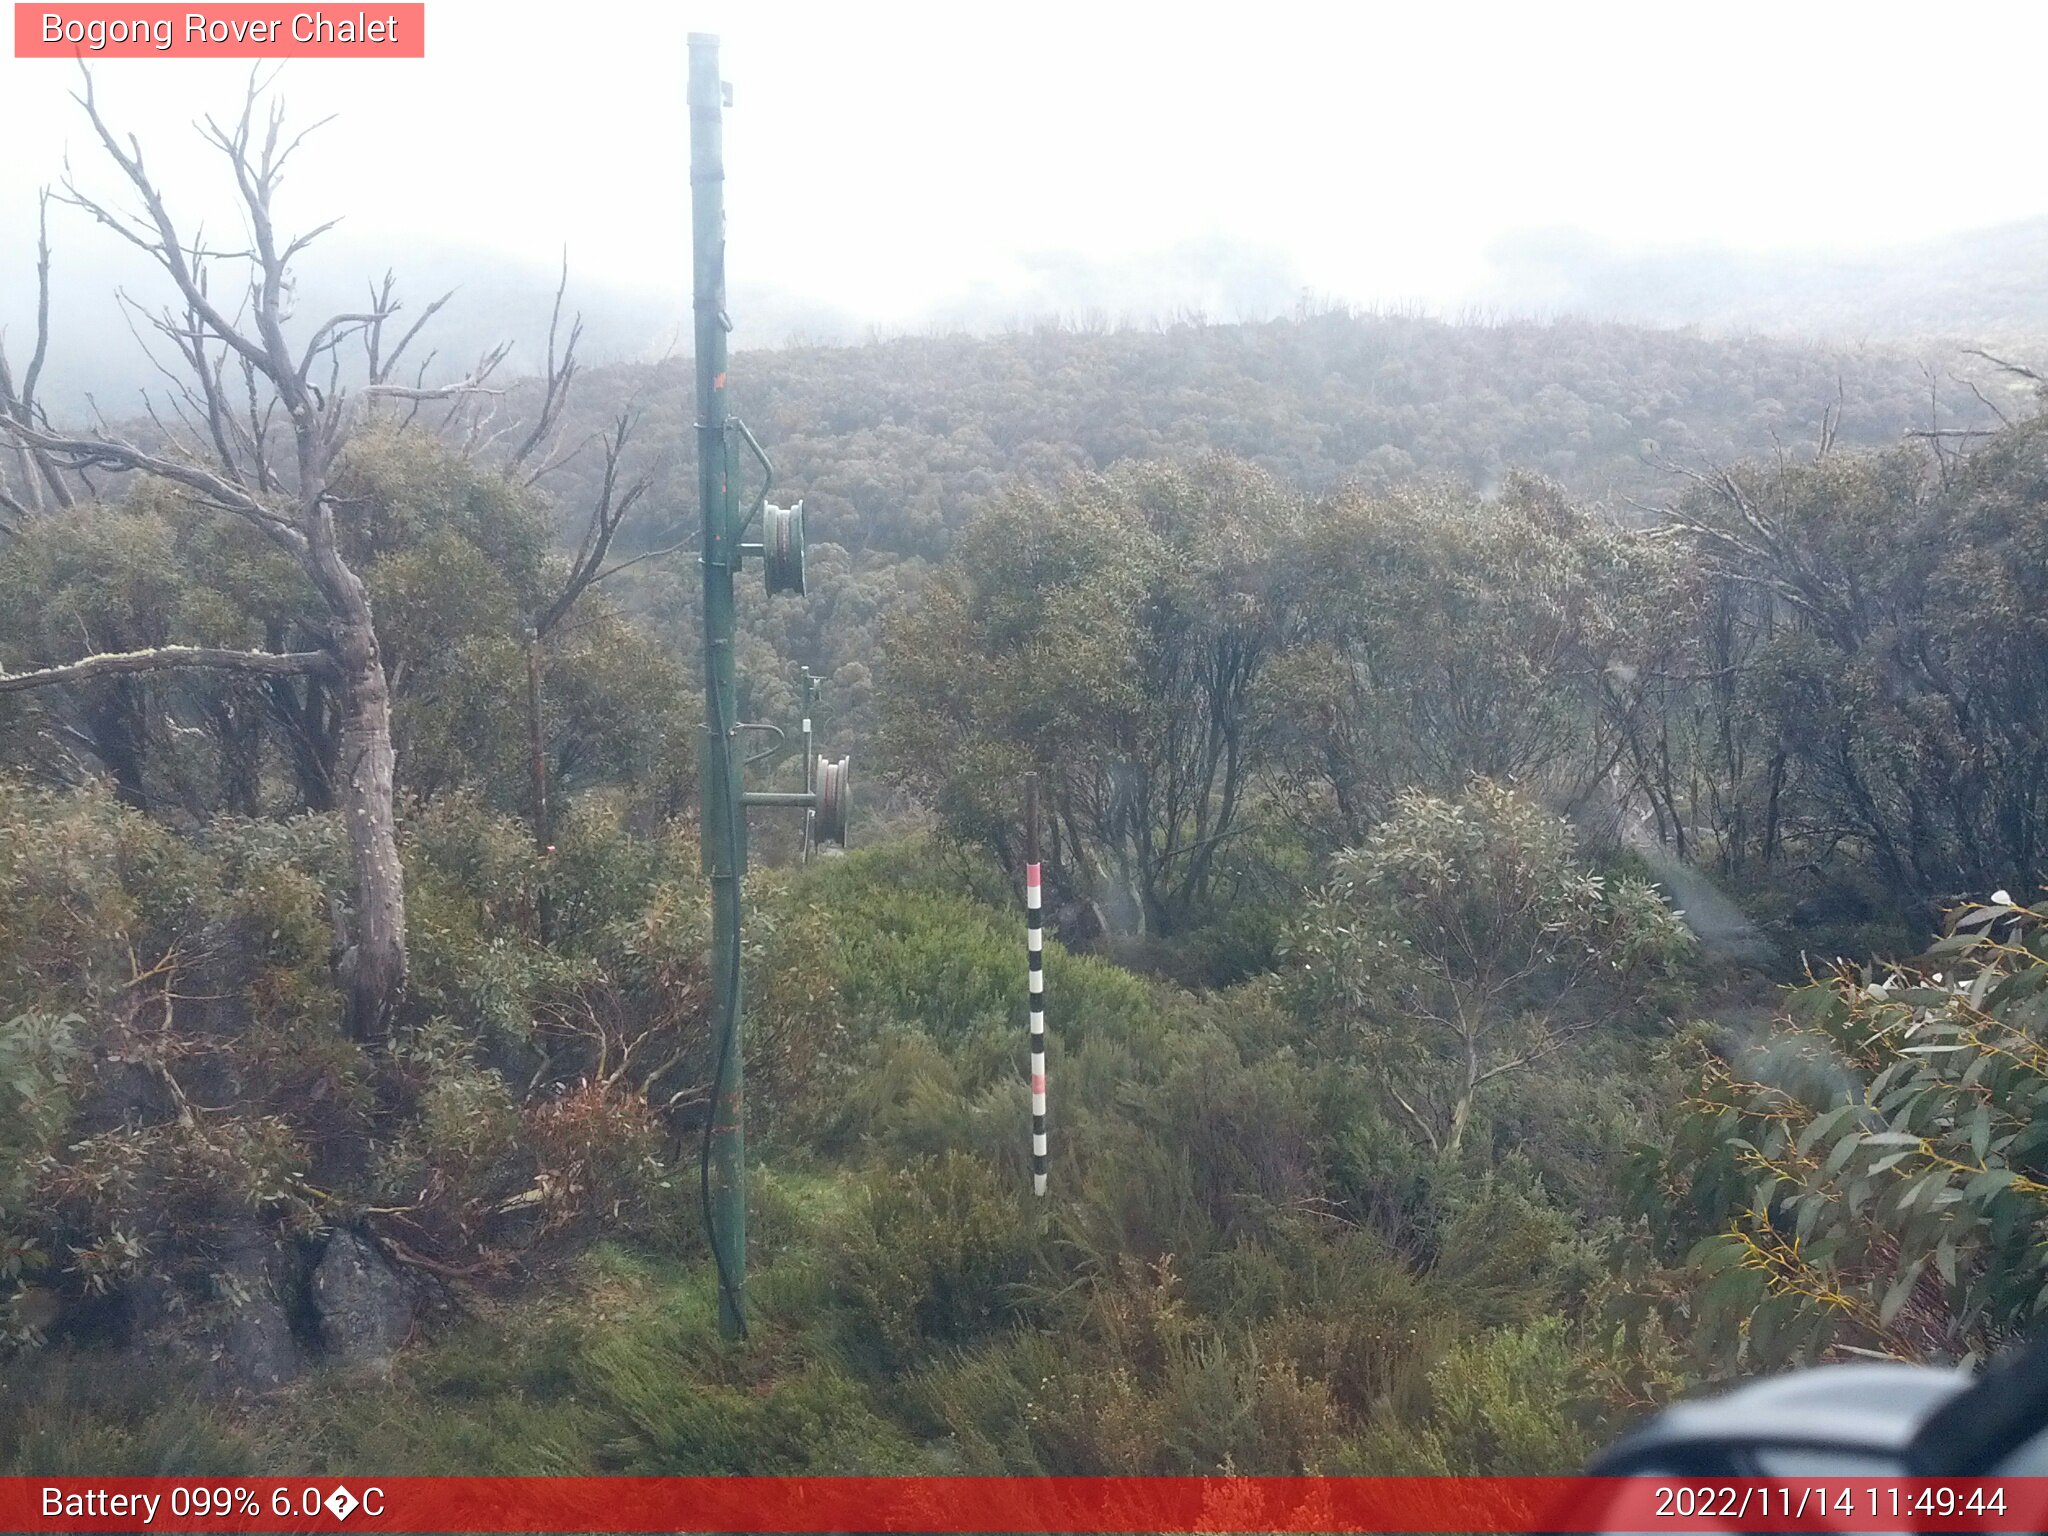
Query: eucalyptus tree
x,y
1113,634
259,411
1463,941
1441,636
1869,1173
1856,671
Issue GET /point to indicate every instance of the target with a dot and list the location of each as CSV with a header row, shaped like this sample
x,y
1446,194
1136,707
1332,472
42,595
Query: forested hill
x,y
896,445
893,443
1398,1129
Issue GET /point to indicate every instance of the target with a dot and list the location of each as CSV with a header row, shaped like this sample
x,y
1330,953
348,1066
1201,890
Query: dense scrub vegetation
x,y
1819,680
1248,1262
454,558
1419,1165
1401,1124
892,444
896,446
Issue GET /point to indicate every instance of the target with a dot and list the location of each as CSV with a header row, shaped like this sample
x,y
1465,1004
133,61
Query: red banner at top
x,y
378,31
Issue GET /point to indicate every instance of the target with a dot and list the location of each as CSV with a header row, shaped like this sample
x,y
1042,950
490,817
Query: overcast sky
x,y
884,156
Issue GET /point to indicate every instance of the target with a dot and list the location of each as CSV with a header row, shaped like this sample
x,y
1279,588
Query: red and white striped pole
x,y
1034,945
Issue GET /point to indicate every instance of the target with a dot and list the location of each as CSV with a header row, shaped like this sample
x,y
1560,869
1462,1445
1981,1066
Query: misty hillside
x,y
1326,1194
1329,851
895,446
1982,283
894,443
1982,286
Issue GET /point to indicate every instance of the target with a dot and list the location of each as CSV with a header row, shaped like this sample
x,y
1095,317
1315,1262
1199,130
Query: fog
x,y
896,165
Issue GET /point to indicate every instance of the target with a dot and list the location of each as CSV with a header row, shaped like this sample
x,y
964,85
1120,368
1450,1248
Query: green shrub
x,y
934,1254
1502,1405
88,889
904,1100
1871,1169
815,1419
1463,941
38,1055
1360,1320
1246,940
1496,1252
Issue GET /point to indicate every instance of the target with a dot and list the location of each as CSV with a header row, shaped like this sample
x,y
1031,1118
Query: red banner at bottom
x,y
993,1504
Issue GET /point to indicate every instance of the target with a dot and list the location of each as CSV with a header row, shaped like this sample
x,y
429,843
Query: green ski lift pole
x,y
724,818
723,794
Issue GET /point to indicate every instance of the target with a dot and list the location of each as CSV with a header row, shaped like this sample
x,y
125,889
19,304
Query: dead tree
x,y
254,430
614,501
41,483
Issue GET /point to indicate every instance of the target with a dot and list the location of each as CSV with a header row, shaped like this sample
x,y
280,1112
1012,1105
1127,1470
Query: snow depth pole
x,y
723,1171
1034,947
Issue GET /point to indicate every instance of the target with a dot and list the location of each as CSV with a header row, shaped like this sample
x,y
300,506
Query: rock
x,y
363,1308
253,1346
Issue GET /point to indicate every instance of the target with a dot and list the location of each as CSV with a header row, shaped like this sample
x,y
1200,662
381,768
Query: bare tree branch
x,y
380,364
169,658
652,554
1984,400
161,242
20,404
35,361
555,387
606,517
224,494
462,389
1999,362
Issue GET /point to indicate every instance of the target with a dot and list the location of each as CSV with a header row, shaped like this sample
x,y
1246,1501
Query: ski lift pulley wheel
x,y
833,790
782,549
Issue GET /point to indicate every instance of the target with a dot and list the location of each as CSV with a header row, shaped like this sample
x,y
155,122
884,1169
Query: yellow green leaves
x,y
1888,1127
